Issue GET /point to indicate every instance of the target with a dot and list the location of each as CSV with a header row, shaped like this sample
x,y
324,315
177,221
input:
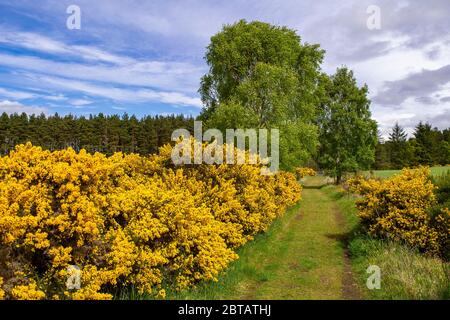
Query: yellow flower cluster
x,y
441,223
27,292
126,220
398,209
2,293
302,172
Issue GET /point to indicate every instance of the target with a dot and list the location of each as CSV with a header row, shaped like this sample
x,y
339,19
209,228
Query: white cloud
x,y
122,94
58,97
80,102
162,75
15,94
409,113
37,42
16,107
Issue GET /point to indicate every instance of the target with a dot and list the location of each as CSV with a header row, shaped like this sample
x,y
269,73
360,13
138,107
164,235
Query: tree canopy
x,y
348,135
426,146
269,78
103,133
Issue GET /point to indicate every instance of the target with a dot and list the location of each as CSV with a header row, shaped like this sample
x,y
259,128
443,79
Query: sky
x,y
146,57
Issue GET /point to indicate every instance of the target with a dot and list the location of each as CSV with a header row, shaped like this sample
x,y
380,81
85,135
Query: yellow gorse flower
x,y
2,293
398,209
126,220
27,292
302,172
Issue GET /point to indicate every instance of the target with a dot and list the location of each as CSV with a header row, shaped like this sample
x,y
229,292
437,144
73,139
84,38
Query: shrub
x,y
398,209
440,213
302,172
125,220
442,182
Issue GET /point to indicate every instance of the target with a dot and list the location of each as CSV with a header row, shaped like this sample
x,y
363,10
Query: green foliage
x,y
442,182
101,133
430,146
382,155
423,144
232,115
234,52
440,213
347,134
297,144
427,146
271,93
398,147
262,76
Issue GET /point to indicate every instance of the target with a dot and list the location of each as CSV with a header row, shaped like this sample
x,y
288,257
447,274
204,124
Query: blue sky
x,y
146,57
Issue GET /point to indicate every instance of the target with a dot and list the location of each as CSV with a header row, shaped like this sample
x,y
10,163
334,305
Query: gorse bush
x,y
302,172
440,213
126,220
442,182
399,209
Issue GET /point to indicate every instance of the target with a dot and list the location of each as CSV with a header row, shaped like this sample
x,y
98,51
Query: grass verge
x,y
405,273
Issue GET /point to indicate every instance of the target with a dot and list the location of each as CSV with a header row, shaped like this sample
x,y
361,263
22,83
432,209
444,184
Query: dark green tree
x,y
397,144
423,144
348,135
382,155
104,133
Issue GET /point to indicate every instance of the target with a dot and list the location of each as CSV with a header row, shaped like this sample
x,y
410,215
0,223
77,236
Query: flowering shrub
x,y
398,208
2,293
440,213
441,223
302,172
126,220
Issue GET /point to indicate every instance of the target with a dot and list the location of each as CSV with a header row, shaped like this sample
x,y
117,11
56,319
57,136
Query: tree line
x,y
102,133
264,76
427,146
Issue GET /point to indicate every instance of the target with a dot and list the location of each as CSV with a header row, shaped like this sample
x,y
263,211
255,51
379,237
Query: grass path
x,y
303,256
308,259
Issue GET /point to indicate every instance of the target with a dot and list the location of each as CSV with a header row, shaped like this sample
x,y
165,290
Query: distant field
x,y
435,171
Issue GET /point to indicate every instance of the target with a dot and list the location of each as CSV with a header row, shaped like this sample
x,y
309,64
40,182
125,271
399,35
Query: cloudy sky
x,y
146,57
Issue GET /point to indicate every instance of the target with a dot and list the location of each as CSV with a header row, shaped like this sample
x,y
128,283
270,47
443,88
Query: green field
x,y
435,171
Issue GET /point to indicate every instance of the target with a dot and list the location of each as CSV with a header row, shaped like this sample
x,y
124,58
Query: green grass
x,y
405,273
346,203
383,174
